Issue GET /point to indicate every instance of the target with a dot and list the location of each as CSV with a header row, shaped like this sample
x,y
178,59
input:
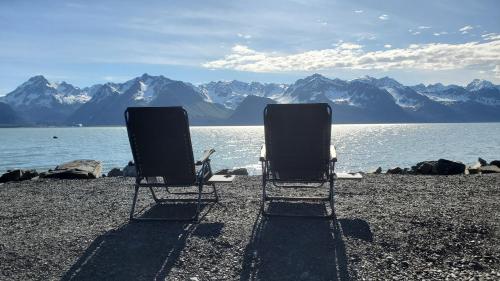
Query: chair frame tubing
x,y
266,177
202,175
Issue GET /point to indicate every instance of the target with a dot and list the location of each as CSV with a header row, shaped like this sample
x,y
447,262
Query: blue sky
x,y
88,42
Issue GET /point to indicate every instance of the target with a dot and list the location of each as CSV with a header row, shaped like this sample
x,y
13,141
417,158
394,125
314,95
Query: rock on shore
x,y
77,169
18,175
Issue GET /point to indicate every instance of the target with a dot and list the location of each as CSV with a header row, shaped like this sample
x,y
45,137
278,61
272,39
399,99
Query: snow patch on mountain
x,y
38,91
232,93
478,84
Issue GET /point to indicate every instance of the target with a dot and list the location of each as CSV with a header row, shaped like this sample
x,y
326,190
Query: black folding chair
x,y
161,146
297,152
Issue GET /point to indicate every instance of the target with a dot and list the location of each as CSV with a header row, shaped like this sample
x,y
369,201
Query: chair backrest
x,y
298,140
161,143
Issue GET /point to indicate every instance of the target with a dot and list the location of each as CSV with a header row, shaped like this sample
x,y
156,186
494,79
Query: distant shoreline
x,y
238,125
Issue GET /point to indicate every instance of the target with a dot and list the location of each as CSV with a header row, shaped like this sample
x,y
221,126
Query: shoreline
x,y
242,125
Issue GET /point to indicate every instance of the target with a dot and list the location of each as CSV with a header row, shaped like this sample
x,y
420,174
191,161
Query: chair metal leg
x,y
200,190
332,196
215,192
134,202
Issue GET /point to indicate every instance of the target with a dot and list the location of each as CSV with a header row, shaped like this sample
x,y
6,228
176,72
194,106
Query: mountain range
x,y
362,100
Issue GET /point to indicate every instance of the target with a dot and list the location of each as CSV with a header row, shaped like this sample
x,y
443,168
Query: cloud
x,y
349,46
322,22
491,36
109,78
423,27
432,56
413,32
384,17
439,33
365,36
387,46
496,70
358,11
466,29
245,36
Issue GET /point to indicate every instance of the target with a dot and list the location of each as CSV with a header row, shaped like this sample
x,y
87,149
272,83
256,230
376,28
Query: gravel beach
x,y
388,226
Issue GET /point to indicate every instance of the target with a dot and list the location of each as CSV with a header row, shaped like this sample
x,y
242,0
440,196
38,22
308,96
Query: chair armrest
x,y
262,153
205,157
333,153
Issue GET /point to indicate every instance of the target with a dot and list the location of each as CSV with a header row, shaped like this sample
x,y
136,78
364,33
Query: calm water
x,y
359,147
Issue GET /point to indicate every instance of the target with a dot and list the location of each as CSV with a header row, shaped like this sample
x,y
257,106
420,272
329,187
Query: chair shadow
x,y
356,228
140,250
291,248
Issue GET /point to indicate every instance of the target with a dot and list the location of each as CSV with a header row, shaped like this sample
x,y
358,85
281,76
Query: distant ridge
x,y
8,117
250,111
362,100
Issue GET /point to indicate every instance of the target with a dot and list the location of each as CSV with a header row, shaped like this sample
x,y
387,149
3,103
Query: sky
x,y
89,42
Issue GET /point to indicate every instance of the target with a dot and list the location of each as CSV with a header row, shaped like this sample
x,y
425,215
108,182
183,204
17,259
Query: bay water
x,y
359,147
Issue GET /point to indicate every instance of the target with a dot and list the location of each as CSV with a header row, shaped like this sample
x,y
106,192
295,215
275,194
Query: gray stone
x,y
489,169
482,161
475,166
129,170
115,172
474,170
18,175
376,171
440,167
28,174
77,169
424,168
448,167
236,172
14,175
239,172
495,163
222,172
396,170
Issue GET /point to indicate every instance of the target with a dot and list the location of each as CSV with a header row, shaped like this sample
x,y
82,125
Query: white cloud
x,y
387,46
423,27
496,70
466,29
384,17
245,36
322,22
439,33
366,36
349,46
358,11
433,56
415,33
491,36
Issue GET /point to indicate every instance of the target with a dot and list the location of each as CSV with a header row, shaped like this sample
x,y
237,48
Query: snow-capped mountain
x,y
478,91
38,91
314,88
111,99
40,101
478,84
441,93
232,93
404,96
362,100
